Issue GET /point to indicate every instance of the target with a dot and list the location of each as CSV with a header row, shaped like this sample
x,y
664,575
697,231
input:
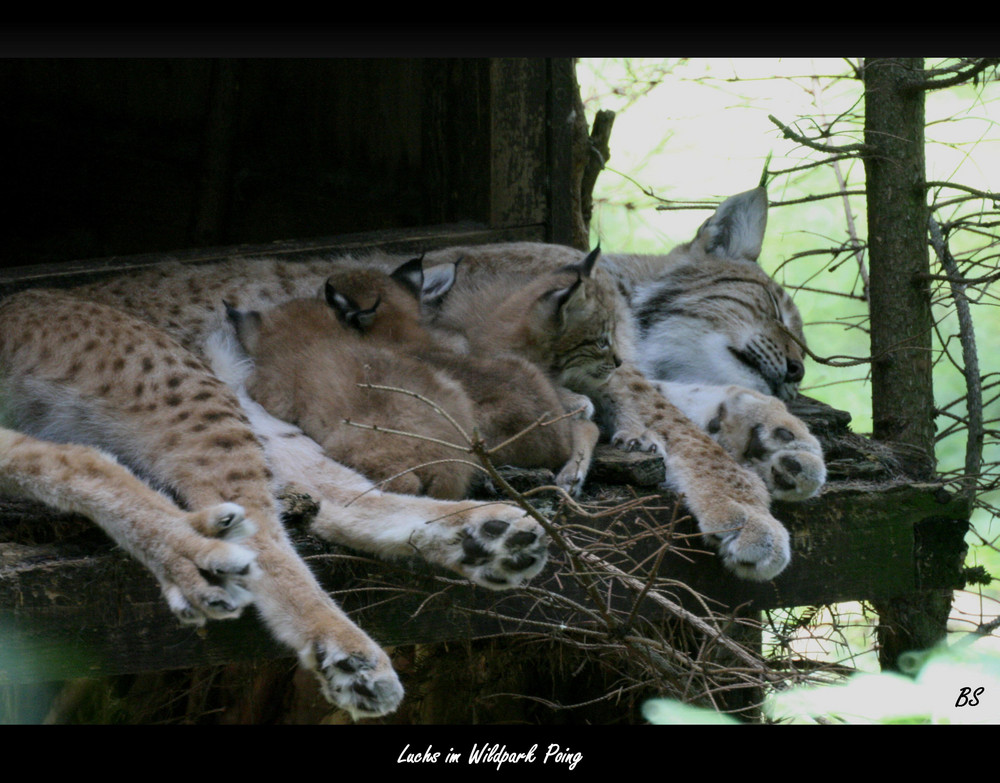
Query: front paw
x,y
760,432
363,683
571,478
793,474
756,546
629,439
227,521
500,548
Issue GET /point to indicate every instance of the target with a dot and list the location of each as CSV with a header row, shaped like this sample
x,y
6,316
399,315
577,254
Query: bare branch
x,y
973,383
983,194
788,133
958,77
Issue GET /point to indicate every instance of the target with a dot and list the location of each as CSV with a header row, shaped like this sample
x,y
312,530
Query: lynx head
x,y
282,328
571,326
383,305
714,316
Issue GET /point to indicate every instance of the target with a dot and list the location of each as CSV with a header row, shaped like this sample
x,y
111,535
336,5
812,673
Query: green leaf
x,y
674,713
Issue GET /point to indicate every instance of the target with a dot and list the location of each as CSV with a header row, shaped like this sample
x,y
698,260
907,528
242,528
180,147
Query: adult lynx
x,y
107,415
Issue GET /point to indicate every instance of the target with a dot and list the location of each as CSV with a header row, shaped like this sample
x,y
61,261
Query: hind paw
x,y
194,604
205,578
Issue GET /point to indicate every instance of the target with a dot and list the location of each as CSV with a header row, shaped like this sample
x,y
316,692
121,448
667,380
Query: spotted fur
x,y
108,414
112,404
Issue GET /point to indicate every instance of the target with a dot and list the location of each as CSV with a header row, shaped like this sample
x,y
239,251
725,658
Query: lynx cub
x,y
519,412
310,357
314,372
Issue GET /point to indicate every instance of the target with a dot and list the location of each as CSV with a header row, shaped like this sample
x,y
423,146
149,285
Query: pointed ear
x,y
246,323
362,320
342,305
585,265
736,231
348,312
410,275
438,281
558,298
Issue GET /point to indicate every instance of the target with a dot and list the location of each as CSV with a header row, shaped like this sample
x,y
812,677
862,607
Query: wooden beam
x,y
393,241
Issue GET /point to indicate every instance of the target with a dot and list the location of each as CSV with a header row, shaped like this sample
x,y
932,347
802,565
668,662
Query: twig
x,y
849,216
405,434
424,400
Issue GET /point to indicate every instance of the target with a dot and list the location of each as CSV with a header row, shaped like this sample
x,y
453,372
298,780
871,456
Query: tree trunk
x,y
902,388
901,322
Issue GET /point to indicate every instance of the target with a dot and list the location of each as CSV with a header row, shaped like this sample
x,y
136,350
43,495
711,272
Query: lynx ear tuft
x,y
559,298
587,265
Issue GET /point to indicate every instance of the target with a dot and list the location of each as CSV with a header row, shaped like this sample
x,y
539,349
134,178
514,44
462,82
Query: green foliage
x,y
690,132
667,712
959,683
940,687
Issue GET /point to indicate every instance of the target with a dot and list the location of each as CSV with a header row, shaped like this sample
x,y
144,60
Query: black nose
x,y
794,370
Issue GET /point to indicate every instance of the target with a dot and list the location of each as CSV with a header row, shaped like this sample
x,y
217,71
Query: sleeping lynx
x,y
128,407
311,371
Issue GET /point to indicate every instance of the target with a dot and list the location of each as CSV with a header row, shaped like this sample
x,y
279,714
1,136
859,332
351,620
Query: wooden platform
x,y
72,605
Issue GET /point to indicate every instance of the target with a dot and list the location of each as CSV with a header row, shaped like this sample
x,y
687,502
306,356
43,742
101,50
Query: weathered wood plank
x,y
520,172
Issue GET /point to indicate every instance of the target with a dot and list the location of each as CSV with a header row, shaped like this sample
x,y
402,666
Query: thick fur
x,y
330,381
519,413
